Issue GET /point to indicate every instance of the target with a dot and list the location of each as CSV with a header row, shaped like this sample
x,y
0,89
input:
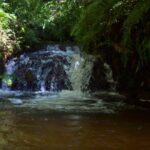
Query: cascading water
x,y
45,70
80,72
55,78
54,68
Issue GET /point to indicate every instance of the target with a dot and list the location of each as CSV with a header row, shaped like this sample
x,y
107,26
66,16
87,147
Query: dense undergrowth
x,y
117,30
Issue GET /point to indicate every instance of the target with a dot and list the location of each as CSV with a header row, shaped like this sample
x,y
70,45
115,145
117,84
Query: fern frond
x,y
93,19
134,17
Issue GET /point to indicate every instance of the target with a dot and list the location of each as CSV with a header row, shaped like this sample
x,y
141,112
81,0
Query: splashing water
x,y
44,70
80,71
51,69
53,78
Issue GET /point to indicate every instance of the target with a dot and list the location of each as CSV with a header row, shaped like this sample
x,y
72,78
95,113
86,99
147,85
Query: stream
x,y
42,106
67,121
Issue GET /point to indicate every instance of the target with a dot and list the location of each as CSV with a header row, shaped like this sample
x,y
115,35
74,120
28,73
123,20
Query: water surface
x,y
71,123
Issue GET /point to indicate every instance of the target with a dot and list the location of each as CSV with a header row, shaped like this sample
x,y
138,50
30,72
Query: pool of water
x,y
71,122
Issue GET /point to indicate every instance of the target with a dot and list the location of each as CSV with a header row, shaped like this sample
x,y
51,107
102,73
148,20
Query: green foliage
x,y
93,22
28,22
7,36
28,13
39,20
135,25
4,17
120,24
7,80
64,17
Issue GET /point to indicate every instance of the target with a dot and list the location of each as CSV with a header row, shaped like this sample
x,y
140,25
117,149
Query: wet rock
x,y
100,79
24,79
57,79
62,47
31,80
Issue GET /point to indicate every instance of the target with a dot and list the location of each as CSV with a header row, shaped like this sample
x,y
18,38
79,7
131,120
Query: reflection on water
x,y
39,130
43,128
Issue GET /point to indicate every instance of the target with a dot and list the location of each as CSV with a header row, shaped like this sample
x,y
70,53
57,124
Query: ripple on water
x,y
66,101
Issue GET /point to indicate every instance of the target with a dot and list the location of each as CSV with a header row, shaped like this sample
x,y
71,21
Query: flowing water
x,y
42,107
72,123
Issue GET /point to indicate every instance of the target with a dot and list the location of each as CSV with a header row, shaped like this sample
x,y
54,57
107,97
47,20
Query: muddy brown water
x,y
25,128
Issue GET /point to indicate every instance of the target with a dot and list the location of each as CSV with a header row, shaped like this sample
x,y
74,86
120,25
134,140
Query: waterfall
x,y
109,77
43,70
80,71
54,68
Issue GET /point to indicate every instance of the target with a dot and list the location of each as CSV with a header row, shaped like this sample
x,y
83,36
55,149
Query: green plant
x,y
7,36
122,24
39,20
